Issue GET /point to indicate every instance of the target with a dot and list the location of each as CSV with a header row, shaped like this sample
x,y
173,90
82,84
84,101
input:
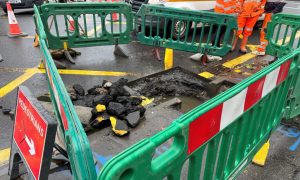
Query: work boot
x,y
234,43
243,48
259,52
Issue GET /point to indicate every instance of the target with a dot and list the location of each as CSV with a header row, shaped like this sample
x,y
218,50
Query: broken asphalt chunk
x,y
98,110
115,109
101,121
106,84
119,127
96,90
79,89
133,119
6,111
102,99
118,91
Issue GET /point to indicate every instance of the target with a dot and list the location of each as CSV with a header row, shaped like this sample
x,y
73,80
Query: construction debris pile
x,y
112,105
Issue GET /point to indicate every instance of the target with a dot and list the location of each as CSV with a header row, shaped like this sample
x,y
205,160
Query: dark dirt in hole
x,y
175,82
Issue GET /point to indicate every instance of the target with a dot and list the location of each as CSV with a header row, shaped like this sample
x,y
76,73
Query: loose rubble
x,y
111,104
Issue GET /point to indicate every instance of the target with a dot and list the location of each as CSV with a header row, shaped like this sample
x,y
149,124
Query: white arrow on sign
x,y
31,145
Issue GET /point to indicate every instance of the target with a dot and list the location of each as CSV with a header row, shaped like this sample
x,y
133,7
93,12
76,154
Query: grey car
x,y
20,4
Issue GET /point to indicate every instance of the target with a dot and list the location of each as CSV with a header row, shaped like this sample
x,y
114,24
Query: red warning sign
x,y
29,134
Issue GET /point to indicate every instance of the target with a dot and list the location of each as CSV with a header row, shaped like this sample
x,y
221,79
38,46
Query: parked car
x,y
199,5
20,4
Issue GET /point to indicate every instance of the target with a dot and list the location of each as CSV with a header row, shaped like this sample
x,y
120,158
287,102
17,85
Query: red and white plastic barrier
x,y
218,118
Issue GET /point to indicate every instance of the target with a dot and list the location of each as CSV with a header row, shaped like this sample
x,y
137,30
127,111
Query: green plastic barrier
x,y
76,141
218,139
158,22
283,33
86,24
287,28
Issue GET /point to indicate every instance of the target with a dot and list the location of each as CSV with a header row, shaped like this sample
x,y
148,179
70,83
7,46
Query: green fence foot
x,y
119,51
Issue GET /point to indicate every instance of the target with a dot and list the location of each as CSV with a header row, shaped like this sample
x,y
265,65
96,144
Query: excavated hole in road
x,y
189,87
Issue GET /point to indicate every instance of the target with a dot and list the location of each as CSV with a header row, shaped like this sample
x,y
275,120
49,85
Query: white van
x,y
203,5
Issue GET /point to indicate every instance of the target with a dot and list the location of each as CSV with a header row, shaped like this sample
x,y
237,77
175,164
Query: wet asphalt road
x,y
19,54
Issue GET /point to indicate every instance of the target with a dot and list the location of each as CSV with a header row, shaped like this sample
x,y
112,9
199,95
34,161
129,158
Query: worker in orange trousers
x,y
272,7
249,12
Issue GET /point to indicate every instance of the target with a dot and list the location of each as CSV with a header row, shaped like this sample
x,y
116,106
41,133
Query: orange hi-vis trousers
x,y
246,25
263,40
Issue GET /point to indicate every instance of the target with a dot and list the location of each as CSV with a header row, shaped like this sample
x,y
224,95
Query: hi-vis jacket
x,y
225,6
250,8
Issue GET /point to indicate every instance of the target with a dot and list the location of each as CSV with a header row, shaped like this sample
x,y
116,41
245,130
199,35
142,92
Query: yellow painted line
x,y
287,40
87,72
12,69
28,37
241,59
206,75
168,58
4,156
18,81
91,32
32,71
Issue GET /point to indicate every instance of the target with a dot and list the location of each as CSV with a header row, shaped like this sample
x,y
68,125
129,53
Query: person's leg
x,y
241,21
263,41
249,25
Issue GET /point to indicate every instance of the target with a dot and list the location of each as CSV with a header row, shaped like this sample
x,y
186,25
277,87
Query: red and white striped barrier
x,y
58,103
218,118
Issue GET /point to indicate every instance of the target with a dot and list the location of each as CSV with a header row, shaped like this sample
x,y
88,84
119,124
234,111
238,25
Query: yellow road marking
x,y
4,156
206,75
28,73
91,32
287,40
87,72
28,37
18,81
12,69
241,59
168,58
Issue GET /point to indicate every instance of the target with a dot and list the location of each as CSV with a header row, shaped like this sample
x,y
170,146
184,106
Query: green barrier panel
x,y
169,27
220,137
70,128
283,33
86,24
287,28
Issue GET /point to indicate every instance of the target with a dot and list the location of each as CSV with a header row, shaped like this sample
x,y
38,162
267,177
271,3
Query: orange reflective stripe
x,y
225,6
